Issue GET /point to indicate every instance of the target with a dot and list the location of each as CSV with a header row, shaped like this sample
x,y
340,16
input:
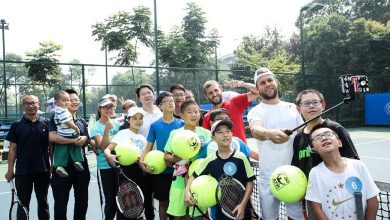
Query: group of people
x,y
53,152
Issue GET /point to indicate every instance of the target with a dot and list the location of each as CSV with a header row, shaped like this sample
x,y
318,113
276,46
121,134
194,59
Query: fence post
x,y
83,85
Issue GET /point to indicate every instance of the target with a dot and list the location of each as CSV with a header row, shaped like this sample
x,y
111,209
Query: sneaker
x,y
61,172
78,166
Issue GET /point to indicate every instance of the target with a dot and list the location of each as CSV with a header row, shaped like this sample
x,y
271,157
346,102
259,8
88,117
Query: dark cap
x,y
219,123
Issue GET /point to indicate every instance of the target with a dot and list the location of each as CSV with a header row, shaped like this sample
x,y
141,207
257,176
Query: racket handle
x,y
359,206
288,132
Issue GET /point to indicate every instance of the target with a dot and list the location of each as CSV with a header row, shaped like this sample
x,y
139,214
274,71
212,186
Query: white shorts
x,y
270,205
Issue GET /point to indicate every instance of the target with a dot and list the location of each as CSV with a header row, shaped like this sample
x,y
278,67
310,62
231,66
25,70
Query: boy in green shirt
x,y
189,112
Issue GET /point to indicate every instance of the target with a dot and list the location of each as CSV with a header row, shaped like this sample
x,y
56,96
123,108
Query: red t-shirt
x,y
236,107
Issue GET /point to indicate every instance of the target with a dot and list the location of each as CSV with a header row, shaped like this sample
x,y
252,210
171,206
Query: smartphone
x,y
353,84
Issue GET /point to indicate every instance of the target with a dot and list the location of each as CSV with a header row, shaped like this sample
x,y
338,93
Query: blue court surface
x,y
373,146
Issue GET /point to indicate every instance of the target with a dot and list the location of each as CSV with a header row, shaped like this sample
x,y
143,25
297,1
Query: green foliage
x,y
123,31
43,65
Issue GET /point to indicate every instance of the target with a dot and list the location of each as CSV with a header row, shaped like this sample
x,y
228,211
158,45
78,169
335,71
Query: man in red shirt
x,y
235,106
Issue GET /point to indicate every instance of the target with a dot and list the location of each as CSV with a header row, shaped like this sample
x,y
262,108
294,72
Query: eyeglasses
x,y
326,134
308,103
106,107
74,100
168,101
178,95
30,103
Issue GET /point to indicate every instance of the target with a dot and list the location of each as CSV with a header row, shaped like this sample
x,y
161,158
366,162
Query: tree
x,y
43,65
187,46
271,51
122,32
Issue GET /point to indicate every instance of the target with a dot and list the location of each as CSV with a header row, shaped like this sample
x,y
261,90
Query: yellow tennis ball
x,y
288,183
203,190
155,162
185,144
126,153
194,165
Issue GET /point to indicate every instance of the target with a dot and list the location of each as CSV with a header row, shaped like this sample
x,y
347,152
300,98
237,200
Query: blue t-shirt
x,y
159,131
98,130
211,147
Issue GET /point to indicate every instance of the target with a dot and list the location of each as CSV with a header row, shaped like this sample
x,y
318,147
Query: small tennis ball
x,y
194,165
185,144
203,190
288,183
126,153
155,162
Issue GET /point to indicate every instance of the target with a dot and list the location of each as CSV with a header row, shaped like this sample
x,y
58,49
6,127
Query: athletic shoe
x,y
78,166
61,172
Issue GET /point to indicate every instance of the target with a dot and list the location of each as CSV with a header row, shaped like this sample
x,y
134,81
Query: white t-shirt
x,y
335,190
149,119
126,135
277,116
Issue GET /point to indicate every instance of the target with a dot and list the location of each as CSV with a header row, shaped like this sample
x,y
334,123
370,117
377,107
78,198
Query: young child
x,y
311,103
158,133
237,144
189,112
227,161
334,181
65,128
130,135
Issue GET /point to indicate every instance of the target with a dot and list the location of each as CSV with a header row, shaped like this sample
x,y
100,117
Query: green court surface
x,y
372,143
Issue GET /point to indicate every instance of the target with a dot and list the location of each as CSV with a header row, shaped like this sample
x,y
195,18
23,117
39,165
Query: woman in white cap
x,y
103,131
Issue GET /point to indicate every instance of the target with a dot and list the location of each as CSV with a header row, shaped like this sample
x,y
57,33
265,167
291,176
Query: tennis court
x,y
373,145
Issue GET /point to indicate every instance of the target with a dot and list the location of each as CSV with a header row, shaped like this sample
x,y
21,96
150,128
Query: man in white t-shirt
x,y
267,121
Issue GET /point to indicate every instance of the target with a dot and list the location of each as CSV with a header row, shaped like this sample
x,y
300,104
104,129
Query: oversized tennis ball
x,y
194,165
288,183
155,162
203,190
185,144
127,153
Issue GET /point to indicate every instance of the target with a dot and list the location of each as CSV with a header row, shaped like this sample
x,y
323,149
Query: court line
x,y
376,158
3,193
370,142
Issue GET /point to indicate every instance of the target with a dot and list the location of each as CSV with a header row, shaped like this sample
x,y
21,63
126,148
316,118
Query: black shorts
x,y
161,186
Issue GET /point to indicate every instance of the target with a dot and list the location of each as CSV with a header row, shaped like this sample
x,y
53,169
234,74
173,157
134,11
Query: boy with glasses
x,y
334,182
311,103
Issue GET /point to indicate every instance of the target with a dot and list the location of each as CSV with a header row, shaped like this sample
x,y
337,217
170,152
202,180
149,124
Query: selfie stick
x,y
346,100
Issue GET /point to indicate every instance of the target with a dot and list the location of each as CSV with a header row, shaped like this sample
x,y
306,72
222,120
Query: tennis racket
x,y
17,209
359,206
129,197
229,194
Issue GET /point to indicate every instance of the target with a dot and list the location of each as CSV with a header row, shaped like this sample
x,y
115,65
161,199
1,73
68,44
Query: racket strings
x,y
18,211
130,200
232,194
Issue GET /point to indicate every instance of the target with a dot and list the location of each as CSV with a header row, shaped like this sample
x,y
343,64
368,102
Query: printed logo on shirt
x,y
304,153
229,168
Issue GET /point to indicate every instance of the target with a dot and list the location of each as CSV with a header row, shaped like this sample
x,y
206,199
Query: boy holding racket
x,y
226,161
189,112
334,182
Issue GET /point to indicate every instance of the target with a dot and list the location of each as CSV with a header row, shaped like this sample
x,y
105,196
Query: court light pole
x,y
4,26
156,47
312,7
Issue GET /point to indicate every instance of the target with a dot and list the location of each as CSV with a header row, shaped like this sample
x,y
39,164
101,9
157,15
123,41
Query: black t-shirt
x,y
216,167
81,124
32,143
305,159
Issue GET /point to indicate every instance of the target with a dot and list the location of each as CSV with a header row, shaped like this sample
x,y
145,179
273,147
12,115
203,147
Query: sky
x,y
68,23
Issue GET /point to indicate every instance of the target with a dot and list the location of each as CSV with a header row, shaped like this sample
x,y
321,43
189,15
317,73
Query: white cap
x,y
104,102
134,110
262,71
107,96
219,123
